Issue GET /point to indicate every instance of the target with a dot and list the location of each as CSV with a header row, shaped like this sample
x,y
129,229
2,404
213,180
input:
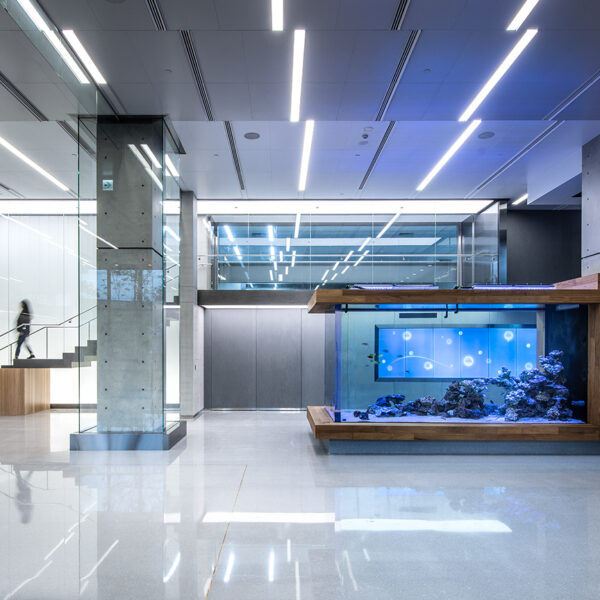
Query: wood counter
x,y
24,391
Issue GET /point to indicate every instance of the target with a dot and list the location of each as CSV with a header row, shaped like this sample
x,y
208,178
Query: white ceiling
x,y
351,55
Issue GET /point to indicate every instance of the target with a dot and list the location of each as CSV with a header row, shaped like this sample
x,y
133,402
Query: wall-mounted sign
x,y
107,185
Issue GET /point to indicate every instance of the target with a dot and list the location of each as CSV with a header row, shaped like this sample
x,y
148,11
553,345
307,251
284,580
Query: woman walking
x,y
23,323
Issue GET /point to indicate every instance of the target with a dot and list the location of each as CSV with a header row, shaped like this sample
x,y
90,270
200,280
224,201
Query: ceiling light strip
x,y
516,157
148,152
497,75
277,15
190,49
171,167
464,136
364,244
584,87
400,15
388,225
411,43
520,199
32,164
378,152
297,226
83,55
297,69
521,15
309,129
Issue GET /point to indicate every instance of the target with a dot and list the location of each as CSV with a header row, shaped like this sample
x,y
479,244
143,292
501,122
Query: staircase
x,y
83,356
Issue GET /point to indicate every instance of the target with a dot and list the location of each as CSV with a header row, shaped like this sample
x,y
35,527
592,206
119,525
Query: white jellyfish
x,y
407,335
468,361
508,336
428,365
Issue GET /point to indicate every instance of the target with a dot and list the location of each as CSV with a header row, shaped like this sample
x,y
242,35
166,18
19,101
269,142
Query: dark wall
x,y
542,246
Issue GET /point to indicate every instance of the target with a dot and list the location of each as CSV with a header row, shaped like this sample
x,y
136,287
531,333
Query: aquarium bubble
x,y
528,366
508,335
383,362
468,361
460,333
407,335
480,352
448,341
428,365
411,353
390,368
527,345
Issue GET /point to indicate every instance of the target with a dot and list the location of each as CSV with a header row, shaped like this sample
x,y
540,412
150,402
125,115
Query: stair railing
x,y
48,326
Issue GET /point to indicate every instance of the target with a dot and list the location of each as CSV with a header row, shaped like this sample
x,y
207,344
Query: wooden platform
x,y
24,391
324,428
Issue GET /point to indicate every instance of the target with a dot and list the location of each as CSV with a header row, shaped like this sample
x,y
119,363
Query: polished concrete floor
x,y
250,507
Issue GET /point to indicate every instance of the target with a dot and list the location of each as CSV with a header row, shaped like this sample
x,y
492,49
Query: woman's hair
x,y
26,307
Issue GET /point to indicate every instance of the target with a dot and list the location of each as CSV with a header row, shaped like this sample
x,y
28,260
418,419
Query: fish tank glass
x,y
486,363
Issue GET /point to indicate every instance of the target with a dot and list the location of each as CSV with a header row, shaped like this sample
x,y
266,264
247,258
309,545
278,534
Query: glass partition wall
x,y
128,276
310,251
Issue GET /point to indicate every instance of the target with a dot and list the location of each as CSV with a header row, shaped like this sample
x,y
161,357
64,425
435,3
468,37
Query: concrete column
x,y
590,208
130,276
191,324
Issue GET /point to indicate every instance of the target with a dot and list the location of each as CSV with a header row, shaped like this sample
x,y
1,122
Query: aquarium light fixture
x,y
171,170
270,232
228,232
287,244
520,199
83,55
521,15
281,256
297,226
277,15
271,274
32,164
363,244
349,255
498,74
346,268
144,163
462,138
388,225
297,68
362,256
294,258
309,130
324,275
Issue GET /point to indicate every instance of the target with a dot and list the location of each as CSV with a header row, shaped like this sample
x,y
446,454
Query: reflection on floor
x,y
249,507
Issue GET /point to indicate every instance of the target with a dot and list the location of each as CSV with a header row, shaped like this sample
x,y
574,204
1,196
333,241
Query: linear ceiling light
x,y
275,266
297,226
345,269
171,167
309,129
364,244
297,68
41,24
151,156
294,258
349,255
228,233
270,232
287,244
84,56
523,13
272,252
361,258
33,164
324,275
281,256
271,274
389,224
237,252
145,164
277,15
520,199
464,136
498,73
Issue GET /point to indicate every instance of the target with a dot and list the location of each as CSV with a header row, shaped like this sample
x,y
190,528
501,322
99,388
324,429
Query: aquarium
x,y
486,363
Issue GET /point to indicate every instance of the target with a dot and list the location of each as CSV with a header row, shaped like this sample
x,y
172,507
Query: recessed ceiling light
x,y
464,136
252,135
297,68
521,15
309,129
498,73
85,58
32,164
277,15
486,135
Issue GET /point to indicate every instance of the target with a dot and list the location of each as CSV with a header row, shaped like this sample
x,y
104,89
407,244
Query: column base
x,y
132,440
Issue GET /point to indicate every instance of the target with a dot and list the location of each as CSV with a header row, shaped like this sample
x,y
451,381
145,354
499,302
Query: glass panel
x,y
490,363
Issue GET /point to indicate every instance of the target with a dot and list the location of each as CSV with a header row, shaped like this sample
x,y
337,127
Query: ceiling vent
x,y
584,87
380,148
201,85
156,14
21,98
400,15
234,154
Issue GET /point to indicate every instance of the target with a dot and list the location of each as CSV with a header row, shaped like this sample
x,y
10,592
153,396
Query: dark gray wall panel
x,y
313,359
208,358
233,348
278,358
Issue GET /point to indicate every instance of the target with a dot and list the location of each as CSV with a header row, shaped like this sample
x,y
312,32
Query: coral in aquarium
x,y
386,406
537,393
465,399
